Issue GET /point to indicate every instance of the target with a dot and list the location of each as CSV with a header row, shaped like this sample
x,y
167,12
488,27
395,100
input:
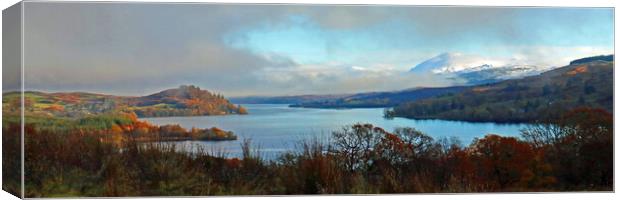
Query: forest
x,y
571,153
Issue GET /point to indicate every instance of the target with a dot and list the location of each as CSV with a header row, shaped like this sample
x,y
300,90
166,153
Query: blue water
x,y
276,128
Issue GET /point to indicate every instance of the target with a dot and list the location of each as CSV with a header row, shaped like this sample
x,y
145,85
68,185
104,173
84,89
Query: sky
x,y
241,50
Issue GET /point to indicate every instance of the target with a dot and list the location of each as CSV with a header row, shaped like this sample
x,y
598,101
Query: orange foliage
x,y
69,98
481,89
219,132
193,102
233,163
55,107
502,161
580,69
116,129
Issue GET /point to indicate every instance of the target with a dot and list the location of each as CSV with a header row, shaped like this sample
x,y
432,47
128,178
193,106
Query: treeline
x,y
184,110
608,58
379,99
530,99
118,125
574,153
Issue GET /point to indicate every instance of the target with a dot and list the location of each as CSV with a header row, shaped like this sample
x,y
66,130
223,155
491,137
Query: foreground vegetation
x,y
574,153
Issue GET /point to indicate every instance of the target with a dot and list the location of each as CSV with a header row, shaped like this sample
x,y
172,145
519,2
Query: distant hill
x,y
182,101
585,82
608,58
359,100
294,99
379,99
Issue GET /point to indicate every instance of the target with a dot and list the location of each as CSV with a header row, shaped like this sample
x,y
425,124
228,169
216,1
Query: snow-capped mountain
x,y
454,62
476,69
498,73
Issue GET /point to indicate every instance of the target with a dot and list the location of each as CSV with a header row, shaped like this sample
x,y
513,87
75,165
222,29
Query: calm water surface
x,y
276,128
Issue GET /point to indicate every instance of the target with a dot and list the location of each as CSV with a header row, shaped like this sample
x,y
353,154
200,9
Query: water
x,y
276,128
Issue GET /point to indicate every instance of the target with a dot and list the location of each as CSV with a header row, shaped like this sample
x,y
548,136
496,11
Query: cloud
x,y
11,56
556,56
137,48
449,24
336,78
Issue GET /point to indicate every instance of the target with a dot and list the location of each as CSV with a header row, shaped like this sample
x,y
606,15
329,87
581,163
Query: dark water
x,y
276,128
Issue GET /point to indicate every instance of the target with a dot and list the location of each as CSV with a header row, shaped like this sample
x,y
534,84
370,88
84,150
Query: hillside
x,y
609,58
359,100
535,98
182,101
293,99
379,99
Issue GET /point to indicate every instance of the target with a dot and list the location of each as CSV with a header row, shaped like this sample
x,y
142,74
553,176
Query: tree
x,y
579,146
354,143
500,161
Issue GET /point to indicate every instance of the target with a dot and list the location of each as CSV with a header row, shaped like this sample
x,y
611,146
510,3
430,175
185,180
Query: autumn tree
x,y
501,162
579,146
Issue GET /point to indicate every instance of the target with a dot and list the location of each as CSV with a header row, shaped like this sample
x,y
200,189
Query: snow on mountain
x,y
498,74
455,62
476,69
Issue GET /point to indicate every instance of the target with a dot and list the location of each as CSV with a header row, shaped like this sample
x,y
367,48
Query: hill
x,y
534,98
182,101
293,99
359,100
608,58
379,99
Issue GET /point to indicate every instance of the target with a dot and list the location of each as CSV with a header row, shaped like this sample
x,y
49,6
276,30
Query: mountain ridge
x,y
378,99
381,99
529,99
473,70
